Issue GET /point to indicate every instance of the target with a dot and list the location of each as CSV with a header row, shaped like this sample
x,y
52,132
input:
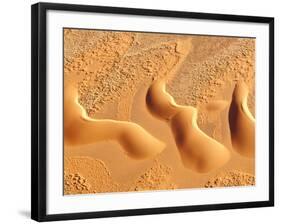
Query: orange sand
x,y
79,130
113,99
198,151
242,122
232,178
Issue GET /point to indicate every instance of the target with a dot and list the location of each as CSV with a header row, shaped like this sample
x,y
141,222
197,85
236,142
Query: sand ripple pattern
x,y
203,74
231,178
85,175
156,178
198,151
109,70
93,171
75,183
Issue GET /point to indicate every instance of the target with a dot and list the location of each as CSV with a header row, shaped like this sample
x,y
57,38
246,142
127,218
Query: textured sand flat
x,y
112,72
85,175
106,72
232,178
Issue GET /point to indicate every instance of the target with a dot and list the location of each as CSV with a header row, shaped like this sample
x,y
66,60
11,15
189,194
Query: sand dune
x,y
159,102
79,129
242,122
114,129
199,152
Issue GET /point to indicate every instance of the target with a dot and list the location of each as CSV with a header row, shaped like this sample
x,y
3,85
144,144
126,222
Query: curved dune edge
x,y
241,122
198,151
231,179
79,129
85,175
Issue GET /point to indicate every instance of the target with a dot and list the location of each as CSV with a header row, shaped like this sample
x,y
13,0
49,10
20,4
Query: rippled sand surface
x,y
146,111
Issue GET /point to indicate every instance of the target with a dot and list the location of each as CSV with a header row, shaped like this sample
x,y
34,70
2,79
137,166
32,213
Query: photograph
x,y
140,112
157,111
135,105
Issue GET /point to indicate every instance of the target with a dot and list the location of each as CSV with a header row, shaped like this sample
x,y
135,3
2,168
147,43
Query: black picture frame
x,y
39,122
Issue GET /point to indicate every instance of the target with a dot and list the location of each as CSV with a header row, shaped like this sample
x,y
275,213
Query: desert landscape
x,y
154,111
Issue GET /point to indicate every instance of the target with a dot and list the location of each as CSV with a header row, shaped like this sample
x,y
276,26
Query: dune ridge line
x,y
241,122
80,129
198,151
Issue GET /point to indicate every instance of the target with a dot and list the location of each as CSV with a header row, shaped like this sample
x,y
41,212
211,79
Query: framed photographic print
x,y
139,111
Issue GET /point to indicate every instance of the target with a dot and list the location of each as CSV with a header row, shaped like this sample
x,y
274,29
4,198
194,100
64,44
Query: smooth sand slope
x,y
242,122
199,152
79,129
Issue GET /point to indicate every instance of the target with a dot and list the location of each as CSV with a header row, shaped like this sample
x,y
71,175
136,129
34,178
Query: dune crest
x,y
79,129
242,122
198,151
159,102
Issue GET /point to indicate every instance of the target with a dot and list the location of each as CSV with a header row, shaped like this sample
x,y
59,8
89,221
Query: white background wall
x,y
15,110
